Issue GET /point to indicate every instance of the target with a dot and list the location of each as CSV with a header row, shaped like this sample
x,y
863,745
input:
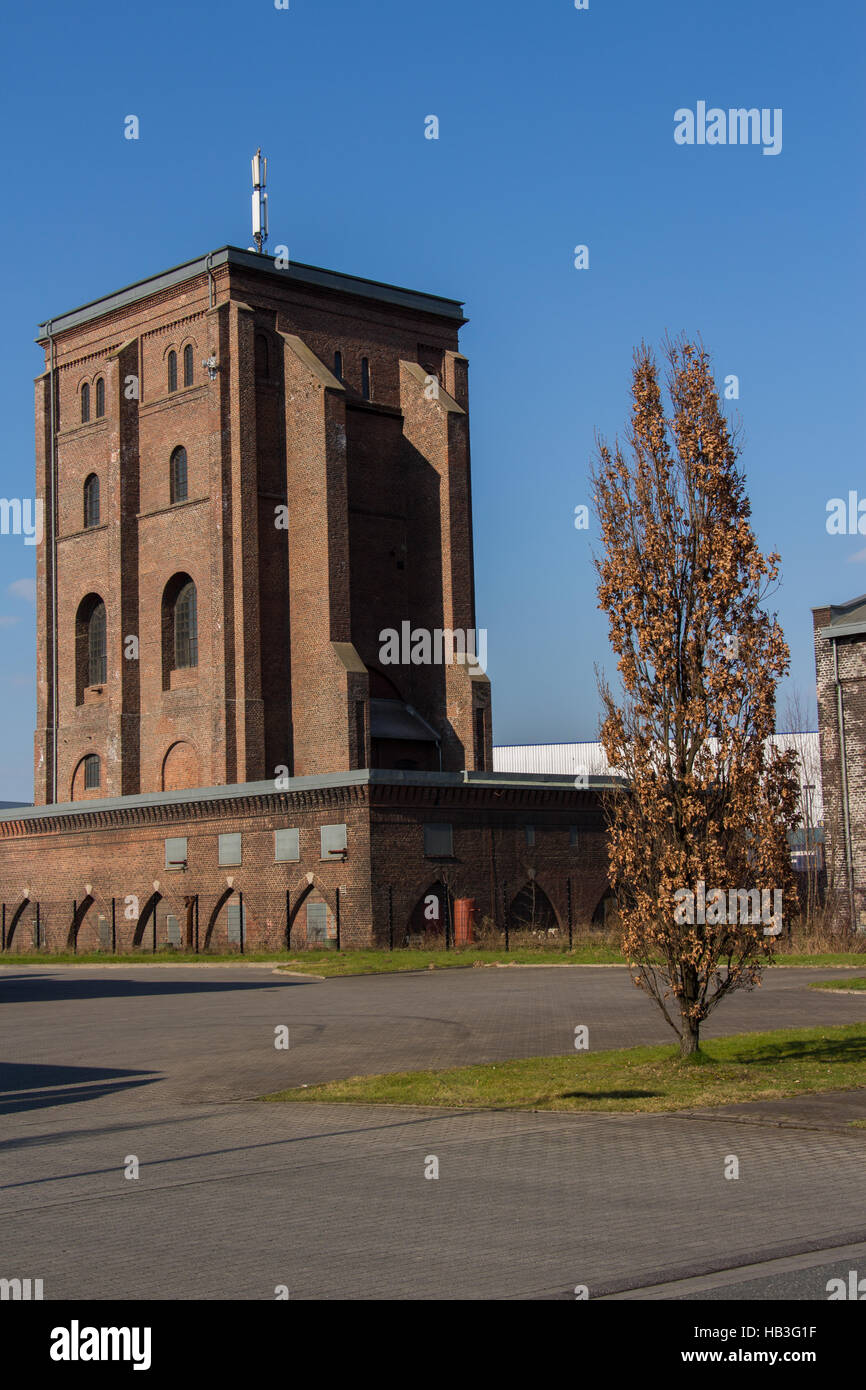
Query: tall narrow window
x,y
91,771
85,403
96,652
91,501
177,475
338,365
187,365
186,627
172,370
480,741
261,351
365,378
100,398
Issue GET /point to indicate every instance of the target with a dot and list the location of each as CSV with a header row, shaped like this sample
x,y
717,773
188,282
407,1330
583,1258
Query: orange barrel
x,y
464,917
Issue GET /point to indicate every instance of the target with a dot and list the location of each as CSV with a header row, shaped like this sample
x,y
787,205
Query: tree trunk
x,y
690,1041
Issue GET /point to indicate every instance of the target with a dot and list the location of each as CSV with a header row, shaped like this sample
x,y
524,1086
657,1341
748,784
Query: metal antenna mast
x,y
260,200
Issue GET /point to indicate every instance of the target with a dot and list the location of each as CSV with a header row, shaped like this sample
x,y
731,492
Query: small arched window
x,y
186,627
177,475
85,403
96,649
365,378
187,365
338,365
91,501
261,348
91,771
172,370
100,398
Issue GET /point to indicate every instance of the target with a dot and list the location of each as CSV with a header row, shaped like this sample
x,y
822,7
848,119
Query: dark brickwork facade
x,y
840,661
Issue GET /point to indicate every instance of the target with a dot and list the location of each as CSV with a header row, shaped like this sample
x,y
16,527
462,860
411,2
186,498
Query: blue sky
x,y
556,129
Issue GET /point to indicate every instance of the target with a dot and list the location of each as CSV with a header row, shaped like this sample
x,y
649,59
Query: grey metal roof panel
x,y
382,777
251,260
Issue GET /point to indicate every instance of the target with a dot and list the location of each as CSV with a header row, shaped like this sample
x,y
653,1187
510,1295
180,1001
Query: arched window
x,y
91,501
365,378
261,347
186,627
187,365
96,649
177,475
338,365
91,771
172,370
85,403
100,398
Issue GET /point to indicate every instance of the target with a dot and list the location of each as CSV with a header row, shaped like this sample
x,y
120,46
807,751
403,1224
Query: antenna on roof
x,y
260,200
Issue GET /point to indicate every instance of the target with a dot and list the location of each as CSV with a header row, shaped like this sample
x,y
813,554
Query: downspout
x,y
52,472
843,757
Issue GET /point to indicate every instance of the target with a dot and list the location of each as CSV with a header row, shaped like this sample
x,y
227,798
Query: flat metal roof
x,y
361,777
263,265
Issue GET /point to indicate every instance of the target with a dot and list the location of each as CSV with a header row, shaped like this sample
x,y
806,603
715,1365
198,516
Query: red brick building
x,y
250,474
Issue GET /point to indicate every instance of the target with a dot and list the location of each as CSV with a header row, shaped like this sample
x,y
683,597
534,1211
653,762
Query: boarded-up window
x,y
334,841
317,922
286,846
172,930
175,852
530,834
235,920
104,933
438,841
230,849
573,836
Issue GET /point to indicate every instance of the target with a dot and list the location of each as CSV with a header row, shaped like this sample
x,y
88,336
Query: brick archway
x,y
181,766
16,917
532,910
78,917
144,918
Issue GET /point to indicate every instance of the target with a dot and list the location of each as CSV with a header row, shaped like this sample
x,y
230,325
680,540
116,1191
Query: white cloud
x,y
8,622
23,588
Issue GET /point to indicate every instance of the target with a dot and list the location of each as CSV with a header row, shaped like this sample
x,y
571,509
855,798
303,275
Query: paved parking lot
x,y
235,1197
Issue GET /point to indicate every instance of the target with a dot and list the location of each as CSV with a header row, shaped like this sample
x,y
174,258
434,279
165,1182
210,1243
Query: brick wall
x,y
851,652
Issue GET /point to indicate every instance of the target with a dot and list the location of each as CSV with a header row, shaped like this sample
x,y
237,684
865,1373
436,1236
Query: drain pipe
x,y
52,515
843,757
210,279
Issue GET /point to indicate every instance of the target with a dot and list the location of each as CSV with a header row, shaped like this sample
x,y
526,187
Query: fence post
x,y
37,926
570,929
506,913
195,919
241,896
288,919
390,917
74,927
338,917
3,937
113,928
153,935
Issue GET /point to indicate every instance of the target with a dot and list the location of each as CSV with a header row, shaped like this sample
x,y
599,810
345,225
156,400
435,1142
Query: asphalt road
x,y
234,1197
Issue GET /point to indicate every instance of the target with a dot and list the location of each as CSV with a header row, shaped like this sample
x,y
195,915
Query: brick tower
x,y
249,473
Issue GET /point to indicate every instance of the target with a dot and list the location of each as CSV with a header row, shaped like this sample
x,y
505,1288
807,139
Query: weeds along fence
x,y
230,920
